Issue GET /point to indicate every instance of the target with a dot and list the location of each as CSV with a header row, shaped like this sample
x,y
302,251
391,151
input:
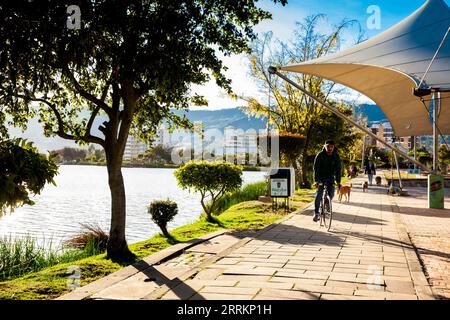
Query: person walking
x,y
370,171
327,169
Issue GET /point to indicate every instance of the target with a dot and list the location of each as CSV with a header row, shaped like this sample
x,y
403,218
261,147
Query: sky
x,y
282,25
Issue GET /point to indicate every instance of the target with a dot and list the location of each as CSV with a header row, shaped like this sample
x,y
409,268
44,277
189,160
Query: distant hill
x,y
219,119
212,119
371,111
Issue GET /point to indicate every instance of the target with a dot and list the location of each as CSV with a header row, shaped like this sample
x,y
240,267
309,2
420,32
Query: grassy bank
x,y
51,282
22,256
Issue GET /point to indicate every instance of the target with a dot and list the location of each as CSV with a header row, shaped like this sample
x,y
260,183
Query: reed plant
x,y
20,256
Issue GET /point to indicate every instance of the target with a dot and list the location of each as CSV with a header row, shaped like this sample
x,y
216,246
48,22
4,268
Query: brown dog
x,y
345,191
378,180
365,186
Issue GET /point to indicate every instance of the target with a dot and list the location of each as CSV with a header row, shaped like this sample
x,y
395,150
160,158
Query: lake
x,y
82,196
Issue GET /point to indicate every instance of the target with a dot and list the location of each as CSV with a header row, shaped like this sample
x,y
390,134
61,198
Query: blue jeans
x,y
319,195
370,178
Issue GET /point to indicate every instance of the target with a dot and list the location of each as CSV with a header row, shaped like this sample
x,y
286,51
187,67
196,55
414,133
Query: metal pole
x,y
398,171
274,70
436,107
363,152
415,152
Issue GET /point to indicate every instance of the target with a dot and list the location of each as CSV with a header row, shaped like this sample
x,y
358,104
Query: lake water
x,y
82,196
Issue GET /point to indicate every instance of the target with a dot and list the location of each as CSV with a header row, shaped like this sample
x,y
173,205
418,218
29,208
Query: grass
x,y
23,255
247,193
403,175
51,282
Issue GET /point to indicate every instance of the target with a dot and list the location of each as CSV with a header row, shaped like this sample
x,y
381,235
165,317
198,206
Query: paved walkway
x,y
366,255
429,231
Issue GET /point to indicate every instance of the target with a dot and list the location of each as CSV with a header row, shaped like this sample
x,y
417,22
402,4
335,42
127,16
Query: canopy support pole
x,y
436,108
398,171
273,70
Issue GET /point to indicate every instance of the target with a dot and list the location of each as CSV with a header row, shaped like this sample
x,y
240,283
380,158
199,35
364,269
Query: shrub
x,y
93,236
162,212
210,179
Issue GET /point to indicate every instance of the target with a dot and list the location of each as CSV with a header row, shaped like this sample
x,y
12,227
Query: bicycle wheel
x,y
329,214
325,216
321,213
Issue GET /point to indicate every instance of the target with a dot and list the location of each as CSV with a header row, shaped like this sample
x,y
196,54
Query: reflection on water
x,y
82,196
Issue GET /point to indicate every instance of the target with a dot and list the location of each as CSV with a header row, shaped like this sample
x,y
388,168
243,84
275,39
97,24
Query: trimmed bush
x,y
211,179
162,212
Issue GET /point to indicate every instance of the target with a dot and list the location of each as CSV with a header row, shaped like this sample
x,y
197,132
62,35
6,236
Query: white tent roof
x,y
387,67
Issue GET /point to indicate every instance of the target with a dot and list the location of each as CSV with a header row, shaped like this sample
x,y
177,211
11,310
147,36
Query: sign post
x,y
282,184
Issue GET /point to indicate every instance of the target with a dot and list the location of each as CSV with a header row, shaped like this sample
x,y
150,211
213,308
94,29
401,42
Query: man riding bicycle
x,y
327,170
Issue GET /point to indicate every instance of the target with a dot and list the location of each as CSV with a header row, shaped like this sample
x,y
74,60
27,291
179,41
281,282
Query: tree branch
x,y
61,132
98,102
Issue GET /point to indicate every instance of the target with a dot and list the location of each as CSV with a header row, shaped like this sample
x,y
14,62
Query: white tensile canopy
x,y
387,67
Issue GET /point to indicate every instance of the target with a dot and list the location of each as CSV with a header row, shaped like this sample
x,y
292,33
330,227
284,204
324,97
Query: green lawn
x,y
51,282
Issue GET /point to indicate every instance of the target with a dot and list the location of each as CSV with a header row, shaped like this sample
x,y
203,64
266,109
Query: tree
x,y
211,179
291,110
130,60
444,158
23,170
422,155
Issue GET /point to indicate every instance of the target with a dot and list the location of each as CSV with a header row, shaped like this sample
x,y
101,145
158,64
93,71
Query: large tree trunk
x,y
117,248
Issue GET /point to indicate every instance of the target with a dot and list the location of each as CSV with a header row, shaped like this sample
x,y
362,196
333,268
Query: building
x,y
384,131
134,148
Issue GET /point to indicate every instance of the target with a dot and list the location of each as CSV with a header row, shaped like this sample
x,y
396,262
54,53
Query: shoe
x,y
316,217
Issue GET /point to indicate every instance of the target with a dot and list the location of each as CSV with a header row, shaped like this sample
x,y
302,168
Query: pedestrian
x,y
370,171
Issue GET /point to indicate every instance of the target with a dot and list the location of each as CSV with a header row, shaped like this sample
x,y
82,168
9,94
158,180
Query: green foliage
x,y
69,154
21,256
422,155
162,212
158,155
444,158
22,171
292,111
247,193
212,179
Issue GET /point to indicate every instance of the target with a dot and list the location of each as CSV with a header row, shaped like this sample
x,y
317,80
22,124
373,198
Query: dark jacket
x,y
327,168
370,169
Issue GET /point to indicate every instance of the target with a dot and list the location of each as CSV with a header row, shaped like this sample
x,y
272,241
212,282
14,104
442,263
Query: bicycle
x,y
326,208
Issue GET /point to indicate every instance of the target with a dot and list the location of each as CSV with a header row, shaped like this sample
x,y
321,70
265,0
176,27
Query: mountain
x,y
212,119
371,111
219,119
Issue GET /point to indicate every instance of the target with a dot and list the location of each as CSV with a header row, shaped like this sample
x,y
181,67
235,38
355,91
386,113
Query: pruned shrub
x,y
211,179
162,212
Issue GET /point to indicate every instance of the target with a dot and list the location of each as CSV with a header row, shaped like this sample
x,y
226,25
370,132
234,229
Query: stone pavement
x,y
429,231
366,255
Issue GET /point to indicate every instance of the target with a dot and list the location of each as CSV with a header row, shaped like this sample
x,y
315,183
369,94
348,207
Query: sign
x,y
435,192
282,182
279,188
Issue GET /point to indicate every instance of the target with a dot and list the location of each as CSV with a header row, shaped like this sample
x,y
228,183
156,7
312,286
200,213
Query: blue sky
x,y
283,23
